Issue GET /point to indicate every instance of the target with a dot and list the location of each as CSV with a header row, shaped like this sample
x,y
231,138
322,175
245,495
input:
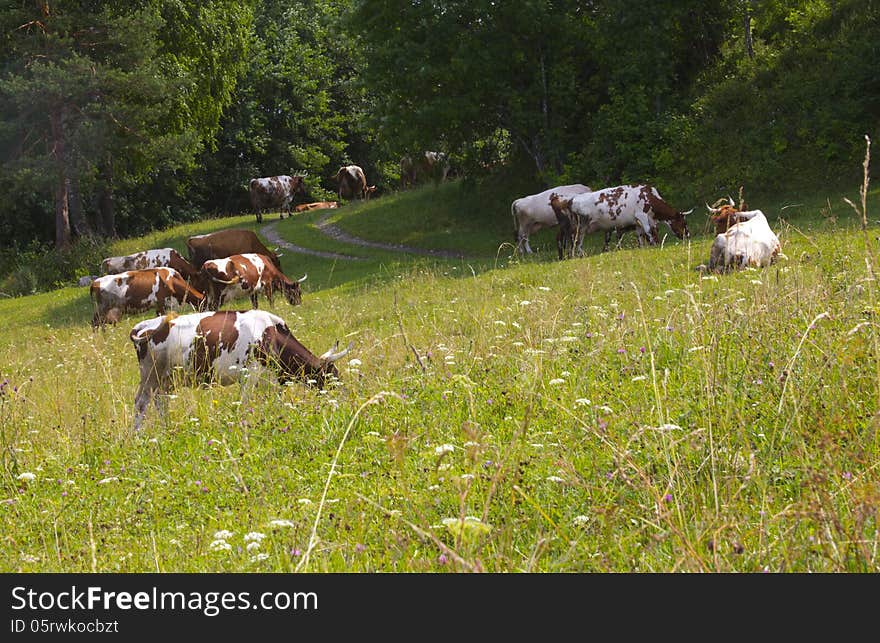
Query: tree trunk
x,y
747,28
106,206
62,213
78,219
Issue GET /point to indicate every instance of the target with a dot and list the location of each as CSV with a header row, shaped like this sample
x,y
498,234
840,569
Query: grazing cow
x,y
275,192
225,243
161,257
533,212
750,242
433,165
569,226
352,182
220,347
315,205
135,291
247,275
621,207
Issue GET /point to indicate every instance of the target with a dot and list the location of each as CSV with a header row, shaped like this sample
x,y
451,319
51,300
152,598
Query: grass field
x,y
617,412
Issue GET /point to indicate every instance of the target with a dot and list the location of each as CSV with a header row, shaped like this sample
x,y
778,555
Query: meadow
x,y
619,412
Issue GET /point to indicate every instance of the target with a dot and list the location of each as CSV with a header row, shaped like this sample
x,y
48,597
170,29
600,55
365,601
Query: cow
x,y
220,347
533,212
135,291
569,227
426,165
225,243
274,192
157,258
750,242
724,216
315,205
620,207
247,275
352,182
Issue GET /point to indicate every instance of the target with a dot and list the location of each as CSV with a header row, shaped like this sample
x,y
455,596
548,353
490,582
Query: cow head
x,y
678,224
723,215
293,291
327,367
370,191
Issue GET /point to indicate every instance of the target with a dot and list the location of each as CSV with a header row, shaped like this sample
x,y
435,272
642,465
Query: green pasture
x,y
618,412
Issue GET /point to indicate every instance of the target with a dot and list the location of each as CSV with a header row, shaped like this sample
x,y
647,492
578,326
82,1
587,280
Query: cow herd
x,y
743,238
209,344
214,345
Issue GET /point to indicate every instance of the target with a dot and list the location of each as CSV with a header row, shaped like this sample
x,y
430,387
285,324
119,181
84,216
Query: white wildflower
x,y
281,523
639,378
30,558
545,288
219,545
223,534
354,362
254,536
580,520
259,557
606,409
582,401
525,302
444,449
106,480
252,546
304,501
757,282
27,476
556,381
668,427
555,479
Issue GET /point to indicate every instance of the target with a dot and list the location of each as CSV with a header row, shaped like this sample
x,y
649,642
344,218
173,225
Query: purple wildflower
x,y
642,350
621,350
667,497
359,548
442,559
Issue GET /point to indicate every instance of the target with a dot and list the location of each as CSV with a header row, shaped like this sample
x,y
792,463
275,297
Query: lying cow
x,y
315,205
724,216
225,243
750,242
247,275
533,212
220,347
158,258
135,291
621,207
274,192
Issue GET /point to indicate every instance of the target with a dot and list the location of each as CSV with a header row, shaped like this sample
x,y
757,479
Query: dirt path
x,y
340,235
334,232
272,236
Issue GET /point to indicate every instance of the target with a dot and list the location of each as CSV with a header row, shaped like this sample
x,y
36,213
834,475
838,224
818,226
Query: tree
x,y
92,91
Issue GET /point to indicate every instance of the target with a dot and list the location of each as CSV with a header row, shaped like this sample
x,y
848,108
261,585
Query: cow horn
x,y
711,209
684,214
302,279
331,355
730,198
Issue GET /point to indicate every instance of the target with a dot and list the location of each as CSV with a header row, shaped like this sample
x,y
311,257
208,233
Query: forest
x,y
121,118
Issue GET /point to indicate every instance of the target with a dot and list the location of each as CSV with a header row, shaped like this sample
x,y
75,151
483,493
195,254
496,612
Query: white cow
x,y
619,208
218,347
533,212
750,242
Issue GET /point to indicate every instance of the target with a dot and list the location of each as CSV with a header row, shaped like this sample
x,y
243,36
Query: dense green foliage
x,y
127,117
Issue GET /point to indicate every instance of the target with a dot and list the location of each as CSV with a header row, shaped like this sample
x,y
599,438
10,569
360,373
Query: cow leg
x,y
607,240
259,216
146,390
254,300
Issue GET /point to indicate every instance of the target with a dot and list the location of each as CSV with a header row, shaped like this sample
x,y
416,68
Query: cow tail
x,y
515,223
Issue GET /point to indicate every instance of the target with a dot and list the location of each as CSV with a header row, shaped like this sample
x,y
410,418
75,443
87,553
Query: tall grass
x,y
618,412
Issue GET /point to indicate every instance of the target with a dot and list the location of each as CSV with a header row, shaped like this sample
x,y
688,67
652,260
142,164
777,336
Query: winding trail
x,y
334,232
272,236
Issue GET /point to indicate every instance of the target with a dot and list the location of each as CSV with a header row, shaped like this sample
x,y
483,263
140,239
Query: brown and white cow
x,y
247,275
135,291
725,216
315,205
220,347
749,243
157,258
620,207
533,212
426,165
225,243
274,192
352,182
